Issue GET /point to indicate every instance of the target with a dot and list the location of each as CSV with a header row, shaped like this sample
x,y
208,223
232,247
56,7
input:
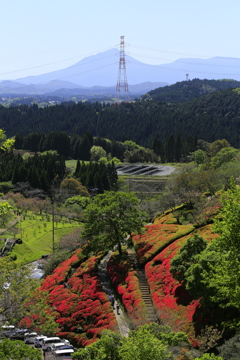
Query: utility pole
x,y
53,239
122,83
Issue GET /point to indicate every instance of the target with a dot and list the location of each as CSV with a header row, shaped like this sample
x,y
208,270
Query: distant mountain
x,y
189,90
102,70
137,89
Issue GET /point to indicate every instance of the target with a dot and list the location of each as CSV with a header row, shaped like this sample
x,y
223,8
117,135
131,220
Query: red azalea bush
x,y
126,284
173,304
82,308
156,237
61,273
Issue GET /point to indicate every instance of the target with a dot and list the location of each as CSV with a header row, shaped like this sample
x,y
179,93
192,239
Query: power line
x,y
57,62
163,66
181,61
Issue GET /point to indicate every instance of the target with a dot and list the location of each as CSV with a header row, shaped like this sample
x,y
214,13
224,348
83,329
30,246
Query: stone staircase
x,y
144,288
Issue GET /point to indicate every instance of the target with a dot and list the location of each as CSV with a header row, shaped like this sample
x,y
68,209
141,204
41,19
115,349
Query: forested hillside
x,y
211,117
189,90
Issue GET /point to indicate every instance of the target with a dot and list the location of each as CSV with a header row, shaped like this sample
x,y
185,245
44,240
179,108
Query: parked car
x,y
7,330
18,334
49,341
63,354
38,341
60,346
29,338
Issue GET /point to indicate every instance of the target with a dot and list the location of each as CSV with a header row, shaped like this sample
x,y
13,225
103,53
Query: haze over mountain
x,y
102,70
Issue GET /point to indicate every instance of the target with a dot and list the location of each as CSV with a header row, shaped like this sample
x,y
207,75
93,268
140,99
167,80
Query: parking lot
x,y
48,356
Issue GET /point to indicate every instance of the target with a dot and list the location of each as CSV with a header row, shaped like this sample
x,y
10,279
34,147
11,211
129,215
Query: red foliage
x,y
126,284
172,301
156,237
174,307
82,306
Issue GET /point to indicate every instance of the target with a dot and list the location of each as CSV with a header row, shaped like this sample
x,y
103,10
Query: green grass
x,y
36,234
71,163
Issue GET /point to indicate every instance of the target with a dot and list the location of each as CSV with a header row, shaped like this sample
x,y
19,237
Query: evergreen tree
x,y
170,149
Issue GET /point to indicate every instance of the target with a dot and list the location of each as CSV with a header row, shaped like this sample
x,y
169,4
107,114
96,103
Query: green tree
x,y
110,217
81,201
148,342
71,187
181,263
209,357
18,350
227,244
214,273
5,144
223,156
217,145
6,211
38,314
16,285
199,156
97,152
104,348
143,345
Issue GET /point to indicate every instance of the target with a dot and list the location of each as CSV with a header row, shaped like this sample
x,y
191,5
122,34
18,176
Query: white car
x,y
63,354
38,341
29,338
60,346
49,341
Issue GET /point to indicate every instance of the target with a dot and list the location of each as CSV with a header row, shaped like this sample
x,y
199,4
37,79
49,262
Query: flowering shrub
x,y
126,284
76,294
156,237
166,219
172,302
62,271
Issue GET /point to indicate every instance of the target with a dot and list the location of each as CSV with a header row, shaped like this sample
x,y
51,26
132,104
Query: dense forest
x,y
211,117
86,147
44,171
189,90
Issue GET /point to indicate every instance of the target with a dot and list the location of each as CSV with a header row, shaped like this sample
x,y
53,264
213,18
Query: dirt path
x,y
119,314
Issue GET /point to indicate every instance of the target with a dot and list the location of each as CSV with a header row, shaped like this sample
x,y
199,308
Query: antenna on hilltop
x,y
122,83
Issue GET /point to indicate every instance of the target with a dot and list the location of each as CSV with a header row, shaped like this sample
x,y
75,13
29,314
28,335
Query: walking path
x,y
119,314
143,285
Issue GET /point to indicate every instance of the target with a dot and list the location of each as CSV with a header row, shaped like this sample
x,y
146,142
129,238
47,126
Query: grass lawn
x,y
36,234
73,163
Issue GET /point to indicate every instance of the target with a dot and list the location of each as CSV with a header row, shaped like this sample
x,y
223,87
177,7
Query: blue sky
x,y
40,36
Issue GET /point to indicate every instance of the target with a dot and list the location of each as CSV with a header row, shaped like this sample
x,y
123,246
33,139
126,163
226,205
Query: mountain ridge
x,y
102,70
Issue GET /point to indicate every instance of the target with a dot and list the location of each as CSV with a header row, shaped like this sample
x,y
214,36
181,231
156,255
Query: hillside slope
x,y
210,117
189,90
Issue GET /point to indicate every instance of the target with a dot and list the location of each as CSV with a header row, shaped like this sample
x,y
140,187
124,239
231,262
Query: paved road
x,y
48,356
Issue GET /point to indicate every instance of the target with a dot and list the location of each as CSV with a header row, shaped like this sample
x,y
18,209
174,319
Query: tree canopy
x,y
18,350
110,217
148,342
16,285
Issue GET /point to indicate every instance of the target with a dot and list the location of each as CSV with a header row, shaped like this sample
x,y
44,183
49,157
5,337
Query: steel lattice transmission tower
x,y
122,83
